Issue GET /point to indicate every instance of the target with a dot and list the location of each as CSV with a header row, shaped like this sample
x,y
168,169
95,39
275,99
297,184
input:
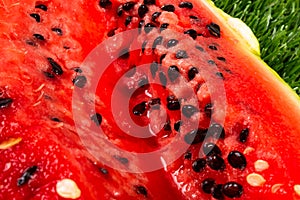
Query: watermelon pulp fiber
x,y
40,58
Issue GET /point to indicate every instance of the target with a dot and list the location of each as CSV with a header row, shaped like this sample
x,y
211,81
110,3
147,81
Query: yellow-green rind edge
x,y
245,35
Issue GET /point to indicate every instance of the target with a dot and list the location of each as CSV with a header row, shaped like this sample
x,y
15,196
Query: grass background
x,y
276,24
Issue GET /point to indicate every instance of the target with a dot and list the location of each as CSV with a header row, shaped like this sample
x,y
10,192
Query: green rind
x,y
250,42
277,26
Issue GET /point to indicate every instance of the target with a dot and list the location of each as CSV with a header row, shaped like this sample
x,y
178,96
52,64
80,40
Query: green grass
x,y
276,24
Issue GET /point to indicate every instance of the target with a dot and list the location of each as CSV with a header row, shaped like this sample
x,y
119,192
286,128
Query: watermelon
x,y
141,100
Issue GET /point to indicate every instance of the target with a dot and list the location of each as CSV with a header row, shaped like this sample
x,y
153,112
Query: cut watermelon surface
x,y
140,100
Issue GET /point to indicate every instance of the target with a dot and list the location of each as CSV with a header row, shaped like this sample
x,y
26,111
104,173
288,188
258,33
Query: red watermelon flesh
x,y
178,86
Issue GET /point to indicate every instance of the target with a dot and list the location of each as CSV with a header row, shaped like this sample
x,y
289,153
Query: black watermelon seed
x,y
213,47
97,118
39,36
214,29
192,73
36,17
211,149
193,17
237,160
199,164
216,130
5,102
188,155
207,185
195,136
220,74
177,125
124,53
167,126
144,46
232,189
42,7
143,82
180,54
153,68
199,48
30,42
244,135
192,33
140,25
79,81
168,8
172,43
162,78
111,32
105,3
173,73
128,20
163,26
140,108
185,4
149,2
141,190
155,15
142,11
217,192
228,70
157,41
128,5
221,59
103,170
189,110
26,176
208,109
55,119
211,62
162,57
148,27
122,160
120,10
173,103
56,68
58,31
48,74
215,162
77,69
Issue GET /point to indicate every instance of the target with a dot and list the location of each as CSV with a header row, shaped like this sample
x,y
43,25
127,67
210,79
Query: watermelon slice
x,y
140,100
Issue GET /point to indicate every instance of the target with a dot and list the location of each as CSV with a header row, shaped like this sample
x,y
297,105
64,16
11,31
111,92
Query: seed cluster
x,y
213,158
212,153
230,189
